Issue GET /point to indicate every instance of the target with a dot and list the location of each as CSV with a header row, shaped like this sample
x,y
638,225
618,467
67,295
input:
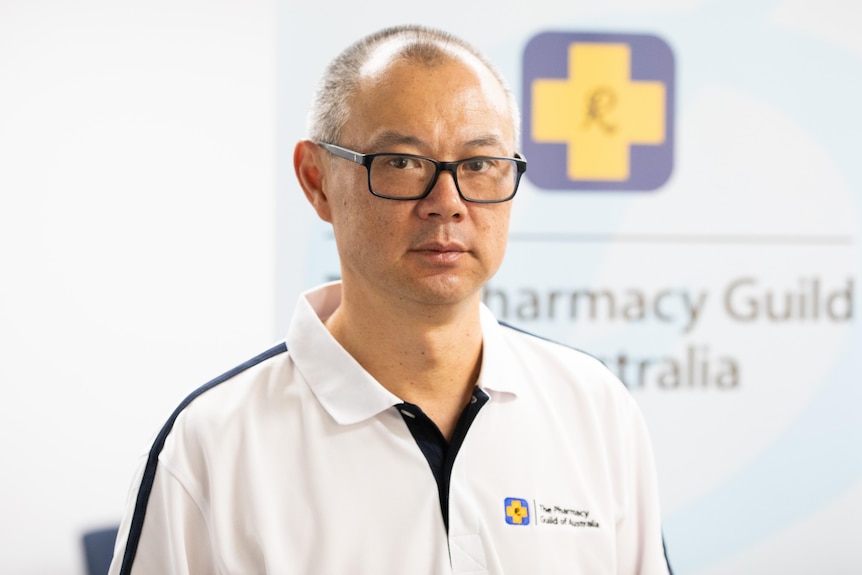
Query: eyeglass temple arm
x,y
343,153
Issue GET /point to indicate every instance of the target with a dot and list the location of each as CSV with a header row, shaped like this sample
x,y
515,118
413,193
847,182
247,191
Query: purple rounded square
x,y
546,56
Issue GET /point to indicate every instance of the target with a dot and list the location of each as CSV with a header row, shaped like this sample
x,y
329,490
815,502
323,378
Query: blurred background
x,y
136,243
152,237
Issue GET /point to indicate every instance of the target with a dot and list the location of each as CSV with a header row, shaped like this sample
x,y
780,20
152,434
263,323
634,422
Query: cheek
x,y
498,231
347,204
501,238
362,230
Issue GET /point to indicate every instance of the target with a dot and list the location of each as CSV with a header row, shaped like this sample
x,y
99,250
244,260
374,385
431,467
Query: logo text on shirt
x,y
563,516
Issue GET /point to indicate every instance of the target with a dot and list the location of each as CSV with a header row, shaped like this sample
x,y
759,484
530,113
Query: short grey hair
x,y
331,106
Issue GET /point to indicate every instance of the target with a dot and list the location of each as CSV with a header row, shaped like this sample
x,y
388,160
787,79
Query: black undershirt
x,y
440,454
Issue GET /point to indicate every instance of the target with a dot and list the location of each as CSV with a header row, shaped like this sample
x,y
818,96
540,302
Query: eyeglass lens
x,y
483,179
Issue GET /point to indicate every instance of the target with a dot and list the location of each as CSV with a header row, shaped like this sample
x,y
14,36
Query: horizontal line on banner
x,y
804,240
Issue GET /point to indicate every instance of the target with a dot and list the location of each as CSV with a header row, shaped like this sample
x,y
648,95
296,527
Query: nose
x,y
443,200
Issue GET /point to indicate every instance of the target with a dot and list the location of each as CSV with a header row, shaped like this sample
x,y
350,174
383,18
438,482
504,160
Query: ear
x,y
308,161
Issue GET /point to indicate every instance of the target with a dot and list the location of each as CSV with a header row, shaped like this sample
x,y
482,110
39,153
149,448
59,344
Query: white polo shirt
x,y
299,462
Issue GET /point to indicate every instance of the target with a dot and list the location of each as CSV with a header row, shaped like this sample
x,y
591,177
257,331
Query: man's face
x,y
440,249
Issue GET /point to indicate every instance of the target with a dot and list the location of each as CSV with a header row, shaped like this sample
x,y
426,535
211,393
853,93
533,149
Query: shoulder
x,y
562,370
555,353
249,376
233,395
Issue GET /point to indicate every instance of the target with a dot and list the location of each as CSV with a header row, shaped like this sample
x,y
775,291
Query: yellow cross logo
x,y
598,111
517,512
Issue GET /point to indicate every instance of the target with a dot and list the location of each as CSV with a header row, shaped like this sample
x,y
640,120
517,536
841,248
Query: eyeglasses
x,y
481,179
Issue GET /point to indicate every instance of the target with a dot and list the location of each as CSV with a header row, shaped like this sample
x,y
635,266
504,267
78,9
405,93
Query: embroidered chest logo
x,y
517,511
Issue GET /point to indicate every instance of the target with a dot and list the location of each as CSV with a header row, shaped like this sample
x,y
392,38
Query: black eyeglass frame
x,y
451,167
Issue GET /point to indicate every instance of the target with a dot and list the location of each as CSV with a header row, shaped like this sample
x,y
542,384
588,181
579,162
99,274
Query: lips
x,y
441,247
441,252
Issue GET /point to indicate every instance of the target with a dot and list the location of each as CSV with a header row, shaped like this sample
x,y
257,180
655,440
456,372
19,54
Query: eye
x,y
402,162
477,165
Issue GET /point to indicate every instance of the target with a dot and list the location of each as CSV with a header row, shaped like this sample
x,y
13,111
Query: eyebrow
x,y
393,138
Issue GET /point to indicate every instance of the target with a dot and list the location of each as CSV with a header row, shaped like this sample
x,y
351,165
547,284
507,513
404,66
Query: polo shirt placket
x,y
465,549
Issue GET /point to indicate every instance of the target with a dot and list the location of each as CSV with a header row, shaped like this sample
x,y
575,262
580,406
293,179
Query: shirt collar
x,y
498,359
345,390
343,387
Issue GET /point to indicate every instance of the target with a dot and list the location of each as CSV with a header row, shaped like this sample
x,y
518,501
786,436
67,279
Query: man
x,y
401,429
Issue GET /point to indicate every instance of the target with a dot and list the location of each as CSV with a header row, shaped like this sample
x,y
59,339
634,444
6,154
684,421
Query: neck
x,y
428,355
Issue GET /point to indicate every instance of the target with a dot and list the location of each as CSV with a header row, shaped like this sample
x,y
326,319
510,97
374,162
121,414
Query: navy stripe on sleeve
x,y
153,458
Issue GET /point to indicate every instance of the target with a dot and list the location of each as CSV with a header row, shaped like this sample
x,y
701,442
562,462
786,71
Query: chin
x,y
446,291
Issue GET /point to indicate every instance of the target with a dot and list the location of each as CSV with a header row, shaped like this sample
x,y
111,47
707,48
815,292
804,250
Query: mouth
x,y
441,252
441,247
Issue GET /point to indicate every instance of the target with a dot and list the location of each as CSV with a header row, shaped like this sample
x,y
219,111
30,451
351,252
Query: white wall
x,y
136,242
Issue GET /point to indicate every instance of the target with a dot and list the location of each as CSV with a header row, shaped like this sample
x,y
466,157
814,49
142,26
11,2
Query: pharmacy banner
x,y
691,216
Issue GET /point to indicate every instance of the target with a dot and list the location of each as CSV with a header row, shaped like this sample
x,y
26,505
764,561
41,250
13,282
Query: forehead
x,y
435,95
